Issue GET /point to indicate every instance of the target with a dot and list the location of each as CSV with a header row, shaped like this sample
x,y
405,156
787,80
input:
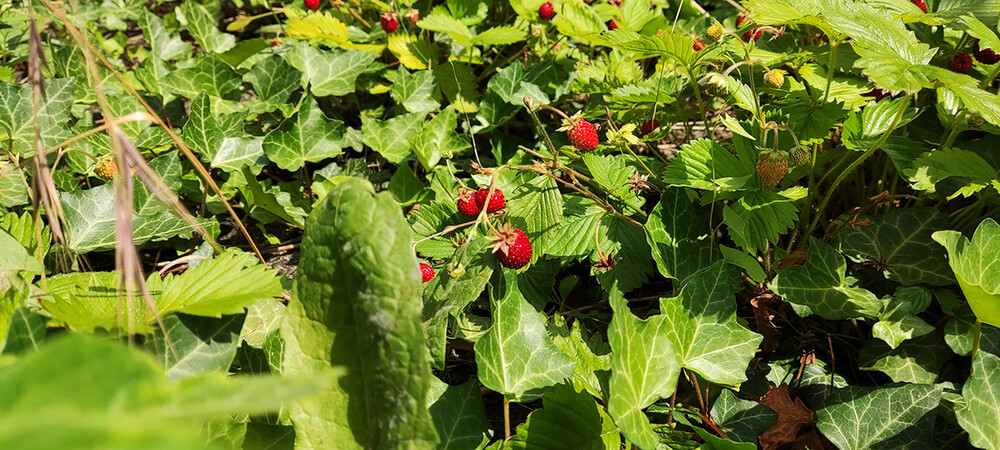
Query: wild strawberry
x,y
985,55
772,168
580,132
412,16
800,156
512,247
545,12
612,25
715,32
920,4
106,169
426,271
753,33
976,121
467,204
714,84
698,45
775,79
275,43
496,202
648,126
389,22
740,19
961,63
312,4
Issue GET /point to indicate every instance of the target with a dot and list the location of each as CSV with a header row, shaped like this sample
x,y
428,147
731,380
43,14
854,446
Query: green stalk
x,y
830,69
855,164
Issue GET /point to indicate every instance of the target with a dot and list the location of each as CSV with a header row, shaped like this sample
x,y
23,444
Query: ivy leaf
x,y
741,420
981,415
704,164
515,356
164,46
416,91
273,79
759,218
677,235
205,130
592,357
644,368
880,417
310,137
204,27
702,326
209,74
15,107
902,239
536,207
330,73
821,287
931,168
918,361
438,139
12,190
390,138
974,264
202,344
568,419
624,243
510,84
459,415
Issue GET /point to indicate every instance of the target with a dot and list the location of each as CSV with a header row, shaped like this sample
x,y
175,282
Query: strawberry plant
x,y
465,224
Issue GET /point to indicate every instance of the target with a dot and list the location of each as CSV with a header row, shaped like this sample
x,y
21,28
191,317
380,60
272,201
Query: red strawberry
x,y
412,16
275,43
985,55
389,22
583,135
545,12
920,4
496,202
426,271
740,19
512,247
312,4
752,34
467,204
648,126
961,63
698,46
612,25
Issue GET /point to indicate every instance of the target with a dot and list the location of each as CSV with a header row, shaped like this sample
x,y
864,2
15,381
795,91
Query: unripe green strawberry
x,y
106,169
800,156
772,168
976,121
715,32
714,84
512,247
775,79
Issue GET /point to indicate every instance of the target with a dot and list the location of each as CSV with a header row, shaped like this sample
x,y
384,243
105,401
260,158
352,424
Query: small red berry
x,y
920,4
583,135
961,63
467,204
698,46
648,126
612,25
545,12
496,202
426,271
389,22
740,19
275,43
412,16
752,34
512,247
312,4
985,55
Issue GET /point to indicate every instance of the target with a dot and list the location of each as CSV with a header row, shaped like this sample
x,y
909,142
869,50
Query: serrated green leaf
x,y
536,207
821,287
678,47
592,357
438,139
763,217
902,239
356,307
225,284
501,35
414,53
931,168
459,86
516,357
704,164
440,21
881,417
624,245
677,236
579,22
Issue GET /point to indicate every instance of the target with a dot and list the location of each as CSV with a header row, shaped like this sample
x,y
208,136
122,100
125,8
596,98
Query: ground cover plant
x,y
510,224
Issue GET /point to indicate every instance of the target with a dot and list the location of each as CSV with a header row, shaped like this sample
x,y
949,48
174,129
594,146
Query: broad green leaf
x,y
987,37
163,45
741,420
501,35
702,326
900,416
318,25
981,415
821,287
16,109
918,361
438,20
273,79
262,318
438,139
644,369
414,53
330,73
168,167
406,188
459,85
260,436
899,321
612,173
355,306
236,153
681,245
309,137
13,191
202,344
205,129
204,27
625,247
974,264
569,419
592,356
209,74
511,86
417,92
459,415
428,221
516,357
574,236
704,164
15,258
677,47
26,329
102,394
901,238
763,216
635,14
746,262
931,168
579,22
536,207
390,138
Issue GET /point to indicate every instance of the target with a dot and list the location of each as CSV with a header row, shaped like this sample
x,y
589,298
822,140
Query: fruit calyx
x,y
512,247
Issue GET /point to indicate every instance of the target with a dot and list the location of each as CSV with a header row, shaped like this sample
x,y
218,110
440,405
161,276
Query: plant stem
x,y
830,69
977,333
854,165
506,418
